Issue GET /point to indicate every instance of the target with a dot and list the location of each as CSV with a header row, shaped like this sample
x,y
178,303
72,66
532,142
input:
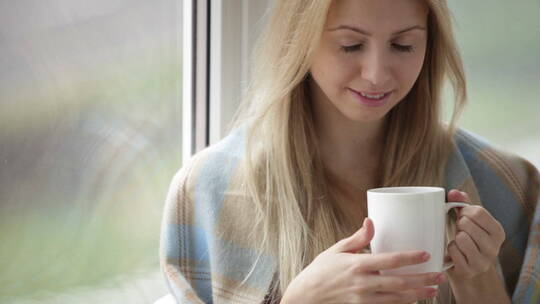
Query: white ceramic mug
x,y
410,218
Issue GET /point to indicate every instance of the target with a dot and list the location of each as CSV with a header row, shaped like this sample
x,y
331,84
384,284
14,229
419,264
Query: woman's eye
x,y
351,48
358,47
403,48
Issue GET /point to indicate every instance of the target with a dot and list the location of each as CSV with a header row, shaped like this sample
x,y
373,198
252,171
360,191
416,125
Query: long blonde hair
x,y
282,173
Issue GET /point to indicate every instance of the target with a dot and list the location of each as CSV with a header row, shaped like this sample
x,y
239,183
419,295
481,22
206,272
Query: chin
x,y
367,118
371,115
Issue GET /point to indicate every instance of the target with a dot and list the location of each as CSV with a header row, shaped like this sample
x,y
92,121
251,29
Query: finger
x,y
409,296
447,259
484,219
458,258
390,260
475,260
384,283
481,238
358,240
458,196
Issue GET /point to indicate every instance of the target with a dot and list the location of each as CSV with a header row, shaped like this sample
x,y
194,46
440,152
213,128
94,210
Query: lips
x,y
372,95
370,101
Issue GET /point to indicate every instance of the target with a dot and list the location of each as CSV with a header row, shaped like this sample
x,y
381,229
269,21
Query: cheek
x,y
332,74
409,71
346,71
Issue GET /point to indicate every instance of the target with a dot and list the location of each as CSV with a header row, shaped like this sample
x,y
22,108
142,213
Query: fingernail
x,y
441,278
425,256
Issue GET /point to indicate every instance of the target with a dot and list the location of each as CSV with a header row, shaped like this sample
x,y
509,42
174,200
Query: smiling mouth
x,y
372,95
376,100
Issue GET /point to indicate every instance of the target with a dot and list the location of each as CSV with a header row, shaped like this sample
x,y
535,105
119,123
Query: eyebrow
x,y
364,32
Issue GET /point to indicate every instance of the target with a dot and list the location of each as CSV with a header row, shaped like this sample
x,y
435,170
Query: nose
x,y
375,68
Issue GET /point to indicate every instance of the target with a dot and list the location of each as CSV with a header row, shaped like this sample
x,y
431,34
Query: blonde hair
x,y
282,173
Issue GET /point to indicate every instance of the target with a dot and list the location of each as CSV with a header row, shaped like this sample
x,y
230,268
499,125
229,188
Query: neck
x,y
350,143
350,150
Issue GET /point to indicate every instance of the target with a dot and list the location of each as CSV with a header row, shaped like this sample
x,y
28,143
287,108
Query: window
x,y
500,48
90,137
234,27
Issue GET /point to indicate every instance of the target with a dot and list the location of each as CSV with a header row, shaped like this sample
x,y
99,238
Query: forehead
x,y
378,16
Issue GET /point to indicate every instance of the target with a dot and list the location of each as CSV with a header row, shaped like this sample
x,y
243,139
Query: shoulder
x,y
509,187
211,168
485,156
494,167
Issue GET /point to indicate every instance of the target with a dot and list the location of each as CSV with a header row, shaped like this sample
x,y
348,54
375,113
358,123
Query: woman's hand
x,y
341,275
478,240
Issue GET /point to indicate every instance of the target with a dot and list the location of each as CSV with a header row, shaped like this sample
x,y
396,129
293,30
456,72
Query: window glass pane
x,y
500,47
90,137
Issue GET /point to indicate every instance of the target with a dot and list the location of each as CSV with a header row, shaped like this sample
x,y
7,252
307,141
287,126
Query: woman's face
x,y
373,47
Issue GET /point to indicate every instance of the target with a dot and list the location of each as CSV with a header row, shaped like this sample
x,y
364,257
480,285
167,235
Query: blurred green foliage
x,y
83,186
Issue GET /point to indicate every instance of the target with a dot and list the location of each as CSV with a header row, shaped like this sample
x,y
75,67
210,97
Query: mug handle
x,y
448,207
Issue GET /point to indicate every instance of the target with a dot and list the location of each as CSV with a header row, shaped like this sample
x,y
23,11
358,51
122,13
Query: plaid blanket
x,y
208,244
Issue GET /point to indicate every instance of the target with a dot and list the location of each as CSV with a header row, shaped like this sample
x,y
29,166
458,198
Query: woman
x,y
347,97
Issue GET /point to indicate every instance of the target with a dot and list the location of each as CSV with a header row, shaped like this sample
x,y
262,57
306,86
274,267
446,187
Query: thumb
x,y
358,240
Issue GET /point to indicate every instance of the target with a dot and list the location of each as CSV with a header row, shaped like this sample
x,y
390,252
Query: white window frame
x,y
234,27
218,40
195,77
